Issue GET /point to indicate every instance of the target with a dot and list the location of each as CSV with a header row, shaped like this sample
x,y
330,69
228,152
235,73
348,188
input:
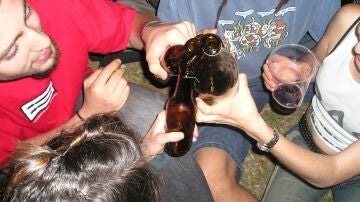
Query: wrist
x,y
267,145
147,26
77,113
264,134
257,128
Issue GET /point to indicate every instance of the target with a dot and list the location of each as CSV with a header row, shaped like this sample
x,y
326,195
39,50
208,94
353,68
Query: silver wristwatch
x,y
267,147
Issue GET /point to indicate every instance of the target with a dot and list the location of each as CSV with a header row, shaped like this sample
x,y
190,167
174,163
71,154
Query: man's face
x,y
25,50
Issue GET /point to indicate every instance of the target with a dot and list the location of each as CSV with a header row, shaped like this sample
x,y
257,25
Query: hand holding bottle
x,y
154,141
213,69
239,110
160,37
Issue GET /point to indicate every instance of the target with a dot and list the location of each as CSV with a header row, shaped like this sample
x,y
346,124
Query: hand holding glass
x,y
292,67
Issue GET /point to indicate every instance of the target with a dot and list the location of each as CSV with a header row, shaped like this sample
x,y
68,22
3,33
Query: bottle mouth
x,y
212,44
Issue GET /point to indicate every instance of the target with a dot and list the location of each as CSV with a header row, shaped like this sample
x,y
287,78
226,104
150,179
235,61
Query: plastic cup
x,y
292,66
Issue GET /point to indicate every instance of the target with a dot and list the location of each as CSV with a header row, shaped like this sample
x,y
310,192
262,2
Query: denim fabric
x,y
141,108
183,180
230,140
259,93
285,186
182,177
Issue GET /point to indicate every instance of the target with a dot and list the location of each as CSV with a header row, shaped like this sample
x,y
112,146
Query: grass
x,y
257,166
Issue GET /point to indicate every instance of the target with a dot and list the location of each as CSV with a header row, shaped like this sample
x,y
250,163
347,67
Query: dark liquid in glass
x,y
287,94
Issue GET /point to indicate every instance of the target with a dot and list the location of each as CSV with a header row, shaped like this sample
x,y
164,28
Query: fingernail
x,y
122,66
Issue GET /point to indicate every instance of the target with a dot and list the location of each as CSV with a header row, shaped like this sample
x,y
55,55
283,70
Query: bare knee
x,y
220,172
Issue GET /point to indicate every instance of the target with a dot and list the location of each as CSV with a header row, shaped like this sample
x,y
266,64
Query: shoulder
x,y
345,17
340,23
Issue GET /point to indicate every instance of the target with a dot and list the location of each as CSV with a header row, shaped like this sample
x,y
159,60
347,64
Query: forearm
x,y
47,136
135,38
317,169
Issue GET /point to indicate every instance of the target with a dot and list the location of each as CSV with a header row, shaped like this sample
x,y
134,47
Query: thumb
x,y
243,82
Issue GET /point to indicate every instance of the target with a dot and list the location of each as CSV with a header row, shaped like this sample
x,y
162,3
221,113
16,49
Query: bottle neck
x,y
184,85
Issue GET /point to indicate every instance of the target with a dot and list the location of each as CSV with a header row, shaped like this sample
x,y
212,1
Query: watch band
x,y
268,146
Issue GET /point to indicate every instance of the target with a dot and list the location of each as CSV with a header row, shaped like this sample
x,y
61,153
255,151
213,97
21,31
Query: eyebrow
x,y
3,55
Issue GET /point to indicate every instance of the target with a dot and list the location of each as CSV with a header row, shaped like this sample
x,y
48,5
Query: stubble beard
x,y
46,73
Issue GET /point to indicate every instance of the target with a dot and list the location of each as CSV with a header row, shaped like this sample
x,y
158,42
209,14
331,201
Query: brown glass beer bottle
x,y
203,67
180,107
216,71
180,115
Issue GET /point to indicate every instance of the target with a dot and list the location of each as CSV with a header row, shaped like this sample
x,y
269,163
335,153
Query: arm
x,y
317,169
104,91
240,111
140,20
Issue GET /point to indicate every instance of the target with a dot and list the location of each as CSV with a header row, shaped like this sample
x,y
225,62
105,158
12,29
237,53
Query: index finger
x,y
107,72
156,69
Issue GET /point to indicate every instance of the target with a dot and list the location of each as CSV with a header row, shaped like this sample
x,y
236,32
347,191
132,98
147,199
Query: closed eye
x,y
12,52
28,11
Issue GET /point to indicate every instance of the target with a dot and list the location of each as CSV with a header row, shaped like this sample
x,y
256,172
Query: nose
x,y
35,40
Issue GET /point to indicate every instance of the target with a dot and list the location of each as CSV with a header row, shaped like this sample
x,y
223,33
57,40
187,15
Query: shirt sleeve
x,y
105,26
326,11
170,11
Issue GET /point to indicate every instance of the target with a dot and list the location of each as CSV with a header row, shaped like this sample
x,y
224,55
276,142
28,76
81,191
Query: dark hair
x,y
281,3
100,160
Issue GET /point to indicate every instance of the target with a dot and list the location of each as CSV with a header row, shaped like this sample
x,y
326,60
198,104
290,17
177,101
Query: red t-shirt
x,y
32,106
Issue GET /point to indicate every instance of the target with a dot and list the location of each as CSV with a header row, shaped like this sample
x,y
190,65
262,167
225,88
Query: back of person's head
x,y
98,161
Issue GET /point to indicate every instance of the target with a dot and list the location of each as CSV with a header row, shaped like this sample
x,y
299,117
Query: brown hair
x,y
281,3
100,160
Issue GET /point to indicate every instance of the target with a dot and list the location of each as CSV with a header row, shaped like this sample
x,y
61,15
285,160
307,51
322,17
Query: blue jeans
x,y
182,177
285,186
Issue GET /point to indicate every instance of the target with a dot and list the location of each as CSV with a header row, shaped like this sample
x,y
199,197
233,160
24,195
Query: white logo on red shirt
x,y
33,108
